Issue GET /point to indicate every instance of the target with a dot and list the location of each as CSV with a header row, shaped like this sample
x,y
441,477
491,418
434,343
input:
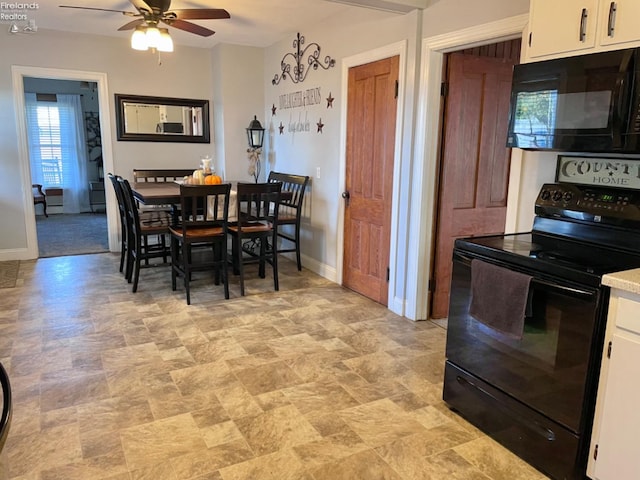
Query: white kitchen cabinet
x,y
615,454
557,27
574,27
619,23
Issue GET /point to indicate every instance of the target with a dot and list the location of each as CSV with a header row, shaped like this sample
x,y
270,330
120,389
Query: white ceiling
x,y
257,23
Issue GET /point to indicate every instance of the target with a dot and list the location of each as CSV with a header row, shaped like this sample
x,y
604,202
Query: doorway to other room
x,y
65,157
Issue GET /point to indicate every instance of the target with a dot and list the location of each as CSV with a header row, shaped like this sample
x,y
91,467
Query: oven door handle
x,y
565,289
466,260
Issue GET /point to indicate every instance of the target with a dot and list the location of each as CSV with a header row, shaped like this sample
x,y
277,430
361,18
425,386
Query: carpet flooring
x,y
76,234
9,273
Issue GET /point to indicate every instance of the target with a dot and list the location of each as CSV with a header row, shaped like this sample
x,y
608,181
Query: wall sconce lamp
x,y
255,133
255,137
145,37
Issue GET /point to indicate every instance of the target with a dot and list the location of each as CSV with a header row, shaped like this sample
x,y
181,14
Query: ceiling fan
x,y
151,12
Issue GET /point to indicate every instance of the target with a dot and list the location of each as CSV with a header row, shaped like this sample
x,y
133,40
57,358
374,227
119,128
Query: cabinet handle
x,y
583,24
613,7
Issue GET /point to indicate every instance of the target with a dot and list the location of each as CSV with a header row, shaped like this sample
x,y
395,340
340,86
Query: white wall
x,y
444,16
238,77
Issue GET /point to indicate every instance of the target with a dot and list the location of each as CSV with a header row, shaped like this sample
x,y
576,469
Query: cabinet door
x,y
618,457
619,22
560,26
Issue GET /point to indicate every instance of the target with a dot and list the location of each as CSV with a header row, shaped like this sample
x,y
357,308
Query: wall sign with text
x,y
599,172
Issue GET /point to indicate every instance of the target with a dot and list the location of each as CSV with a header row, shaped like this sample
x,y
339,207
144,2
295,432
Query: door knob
x,y
346,196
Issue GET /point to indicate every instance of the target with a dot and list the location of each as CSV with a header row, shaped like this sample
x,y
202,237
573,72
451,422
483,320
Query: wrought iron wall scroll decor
x,y
300,70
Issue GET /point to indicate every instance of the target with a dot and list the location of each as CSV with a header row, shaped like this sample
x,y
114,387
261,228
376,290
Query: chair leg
x,y
263,255
276,283
123,253
225,273
297,245
238,245
44,207
186,260
136,274
174,262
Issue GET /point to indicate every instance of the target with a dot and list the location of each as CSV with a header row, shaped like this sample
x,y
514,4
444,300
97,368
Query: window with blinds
x,y
48,143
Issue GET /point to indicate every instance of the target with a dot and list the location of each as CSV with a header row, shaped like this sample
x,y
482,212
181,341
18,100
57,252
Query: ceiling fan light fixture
x,y
166,43
139,39
153,37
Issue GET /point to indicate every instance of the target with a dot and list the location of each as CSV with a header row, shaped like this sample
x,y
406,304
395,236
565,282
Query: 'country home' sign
x,y
605,172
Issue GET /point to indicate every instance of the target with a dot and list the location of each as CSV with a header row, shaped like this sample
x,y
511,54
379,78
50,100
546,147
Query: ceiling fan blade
x,y
131,14
189,27
200,13
131,25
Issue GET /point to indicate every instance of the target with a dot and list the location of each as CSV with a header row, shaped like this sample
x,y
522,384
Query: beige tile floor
x,y
313,382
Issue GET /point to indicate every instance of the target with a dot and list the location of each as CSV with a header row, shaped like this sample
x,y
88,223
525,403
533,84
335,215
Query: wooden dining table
x,y
168,193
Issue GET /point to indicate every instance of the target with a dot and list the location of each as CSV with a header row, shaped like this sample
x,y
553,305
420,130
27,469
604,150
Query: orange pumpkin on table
x,y
212,179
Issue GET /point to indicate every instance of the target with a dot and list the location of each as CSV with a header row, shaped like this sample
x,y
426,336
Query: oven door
x,y
550,369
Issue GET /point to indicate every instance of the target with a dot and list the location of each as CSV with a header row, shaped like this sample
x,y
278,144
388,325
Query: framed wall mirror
x,y
162,119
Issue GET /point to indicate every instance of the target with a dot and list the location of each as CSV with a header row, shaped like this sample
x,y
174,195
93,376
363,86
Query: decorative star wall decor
x,y
330,100
320,126
273,109
281,128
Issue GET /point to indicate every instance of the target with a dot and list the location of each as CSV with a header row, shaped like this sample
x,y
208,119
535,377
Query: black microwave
x,y
587,103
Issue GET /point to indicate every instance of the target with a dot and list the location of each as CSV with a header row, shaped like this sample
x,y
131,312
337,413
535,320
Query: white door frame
x,y
425,166
18,74
400,49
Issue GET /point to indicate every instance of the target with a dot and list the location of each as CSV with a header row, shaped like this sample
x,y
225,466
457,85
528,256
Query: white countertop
x,y
628,280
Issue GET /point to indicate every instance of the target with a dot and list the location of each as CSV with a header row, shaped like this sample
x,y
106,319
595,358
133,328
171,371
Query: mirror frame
x,y
121,99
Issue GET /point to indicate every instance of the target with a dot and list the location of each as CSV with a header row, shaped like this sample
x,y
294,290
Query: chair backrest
x,y
38,194
122,207
7,406
132,215
204,206
156,175
295,186
258,202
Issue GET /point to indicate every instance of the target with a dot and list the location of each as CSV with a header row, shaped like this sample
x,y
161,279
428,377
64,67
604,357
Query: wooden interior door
x,y
371,128
475,162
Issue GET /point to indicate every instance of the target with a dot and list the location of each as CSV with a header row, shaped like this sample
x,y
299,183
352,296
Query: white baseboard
x,y
319,268
15,254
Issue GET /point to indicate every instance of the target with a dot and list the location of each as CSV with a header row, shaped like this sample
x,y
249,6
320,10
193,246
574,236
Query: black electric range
x,y
535,392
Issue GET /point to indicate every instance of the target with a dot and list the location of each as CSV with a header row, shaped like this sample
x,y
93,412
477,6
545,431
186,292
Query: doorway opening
x,y
474,161
65,157
91,84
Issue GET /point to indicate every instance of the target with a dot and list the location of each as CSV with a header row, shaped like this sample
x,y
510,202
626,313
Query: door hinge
x,y
388,274
431,286
397,89
595,452
609,349
530,34
444,89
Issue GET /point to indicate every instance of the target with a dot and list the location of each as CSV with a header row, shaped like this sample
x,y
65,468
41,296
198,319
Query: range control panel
x,y
587,203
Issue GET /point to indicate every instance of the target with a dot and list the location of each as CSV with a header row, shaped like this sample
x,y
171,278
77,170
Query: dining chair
x,y
7,406
203,223
292,195
159,175
122,211
141,226
39,197
255,228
